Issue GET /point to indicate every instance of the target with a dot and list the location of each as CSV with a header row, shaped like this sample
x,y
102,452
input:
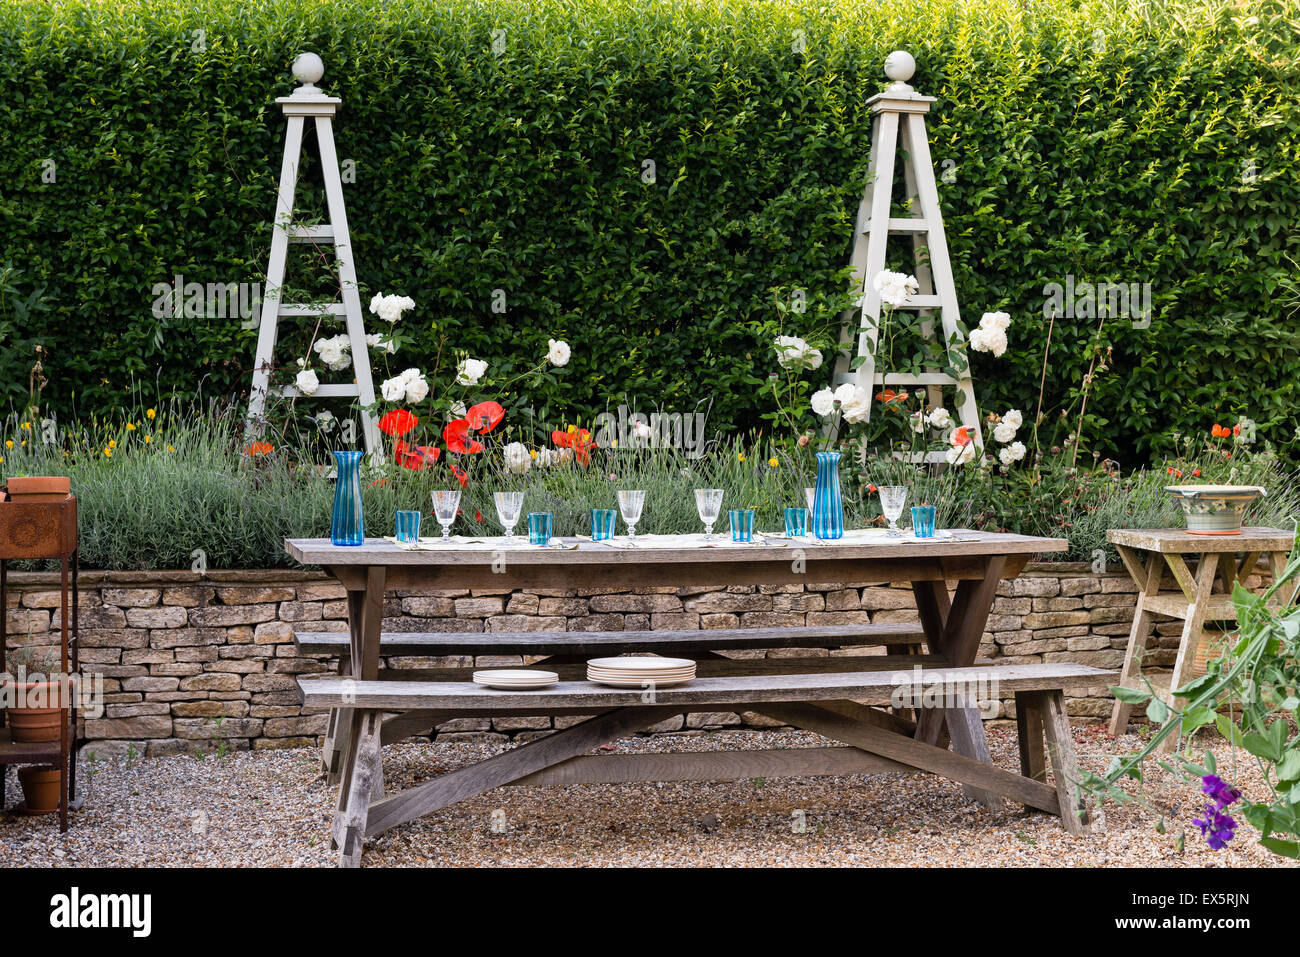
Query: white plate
x,y
515,678
639,682
639,663
643,674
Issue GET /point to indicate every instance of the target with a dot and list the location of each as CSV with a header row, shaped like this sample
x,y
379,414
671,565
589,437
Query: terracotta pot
x,y
40,789
33,725
39,488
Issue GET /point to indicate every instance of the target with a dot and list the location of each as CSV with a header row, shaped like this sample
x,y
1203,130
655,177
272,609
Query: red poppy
x,y
415,457
580,441
259,448
961,436
460,475
1219,432
397,422
1236,430
456,435
485,416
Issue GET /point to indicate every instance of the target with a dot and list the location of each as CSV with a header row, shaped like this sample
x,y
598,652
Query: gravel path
x,y
270,808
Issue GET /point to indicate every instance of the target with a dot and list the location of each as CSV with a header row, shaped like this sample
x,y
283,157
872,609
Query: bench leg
x,y
1076,815
1029,731
359,782
967,731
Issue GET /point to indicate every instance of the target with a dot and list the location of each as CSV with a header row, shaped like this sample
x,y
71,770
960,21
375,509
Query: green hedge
x,y
1102,140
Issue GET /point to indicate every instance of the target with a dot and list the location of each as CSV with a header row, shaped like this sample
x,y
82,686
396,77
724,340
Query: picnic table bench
x,y
865,702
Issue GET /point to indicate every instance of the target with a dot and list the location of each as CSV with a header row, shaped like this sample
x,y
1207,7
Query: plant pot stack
x,y
38,520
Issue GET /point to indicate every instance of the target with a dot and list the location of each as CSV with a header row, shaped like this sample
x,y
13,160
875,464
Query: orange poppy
x,y
889,395
961,436
579,440
259,448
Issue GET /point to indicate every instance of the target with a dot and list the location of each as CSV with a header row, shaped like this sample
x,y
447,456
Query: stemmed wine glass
x,y
630,503
445,504
810,495
509,505
892,498
708,502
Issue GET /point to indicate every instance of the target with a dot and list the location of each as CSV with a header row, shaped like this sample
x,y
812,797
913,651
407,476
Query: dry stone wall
x,y
203,662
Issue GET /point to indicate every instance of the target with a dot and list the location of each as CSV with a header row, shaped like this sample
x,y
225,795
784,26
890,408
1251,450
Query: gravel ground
x,y
271,808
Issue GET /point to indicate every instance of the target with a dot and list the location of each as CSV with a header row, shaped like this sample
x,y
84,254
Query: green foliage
x,y
1104,139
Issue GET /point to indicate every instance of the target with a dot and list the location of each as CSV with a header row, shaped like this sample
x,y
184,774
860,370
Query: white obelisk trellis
x,y
309,101
899,118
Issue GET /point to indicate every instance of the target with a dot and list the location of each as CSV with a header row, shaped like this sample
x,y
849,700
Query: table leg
x,y
1148,582
1193,629
365,619
360,767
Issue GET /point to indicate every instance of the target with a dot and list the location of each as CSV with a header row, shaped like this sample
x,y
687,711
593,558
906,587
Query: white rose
x,y
1005,457
795,353
992,340
894,287
939,418
858,408
1013,418
845,393
1004,432
823,402
307,382
470,371
377,341
995,320
394,389
390,308
457,411
1017,450
557,352
417,389
960,454
517,458
325,421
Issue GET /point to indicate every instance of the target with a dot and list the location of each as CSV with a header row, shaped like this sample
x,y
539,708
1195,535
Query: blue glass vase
x,y
828,506
348,525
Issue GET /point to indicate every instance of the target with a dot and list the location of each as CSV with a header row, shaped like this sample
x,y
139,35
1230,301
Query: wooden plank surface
x,y
614,642
713,766
377,551
876,687
1176,540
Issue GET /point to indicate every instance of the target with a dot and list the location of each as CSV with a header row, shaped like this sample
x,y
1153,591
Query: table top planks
x,y
379,551
1180,541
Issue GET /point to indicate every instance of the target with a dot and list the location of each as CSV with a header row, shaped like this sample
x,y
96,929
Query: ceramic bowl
x,y
1214,509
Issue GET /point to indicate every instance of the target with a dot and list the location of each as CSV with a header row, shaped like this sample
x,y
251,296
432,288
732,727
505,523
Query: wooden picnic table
x,y
1204,569
805,695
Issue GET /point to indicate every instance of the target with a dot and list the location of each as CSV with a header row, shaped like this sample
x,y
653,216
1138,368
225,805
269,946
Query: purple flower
x,y
1217,827
1218,791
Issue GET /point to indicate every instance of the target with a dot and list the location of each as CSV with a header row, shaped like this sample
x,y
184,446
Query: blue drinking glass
x,y
923,521
602,524
742,524
539,528
408,526
796,522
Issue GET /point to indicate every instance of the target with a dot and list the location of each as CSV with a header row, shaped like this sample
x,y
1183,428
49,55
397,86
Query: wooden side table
x,y
1204,568
44,530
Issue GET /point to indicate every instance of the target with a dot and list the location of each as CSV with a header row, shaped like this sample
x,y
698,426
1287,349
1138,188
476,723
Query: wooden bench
x,y
837,705
566,653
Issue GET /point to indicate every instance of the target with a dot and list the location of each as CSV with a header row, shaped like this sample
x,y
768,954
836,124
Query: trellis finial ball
x,y
900,65
308,68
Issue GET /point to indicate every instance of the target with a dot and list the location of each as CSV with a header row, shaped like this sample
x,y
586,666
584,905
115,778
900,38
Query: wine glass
x,y
630,503
708,502
892,498
509,505
810,494
445,504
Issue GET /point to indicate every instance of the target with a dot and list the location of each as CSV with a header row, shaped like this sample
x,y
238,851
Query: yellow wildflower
x,y
532,453
112,443
108,453
27,426
171,448
740,456
147,438
9,443
773,462
130,426
149,414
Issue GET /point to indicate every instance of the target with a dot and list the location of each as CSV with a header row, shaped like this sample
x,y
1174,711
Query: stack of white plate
x,y
635,671
515,679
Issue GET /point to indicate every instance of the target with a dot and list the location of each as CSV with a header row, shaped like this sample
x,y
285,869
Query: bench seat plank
x,y
864,686
612,642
